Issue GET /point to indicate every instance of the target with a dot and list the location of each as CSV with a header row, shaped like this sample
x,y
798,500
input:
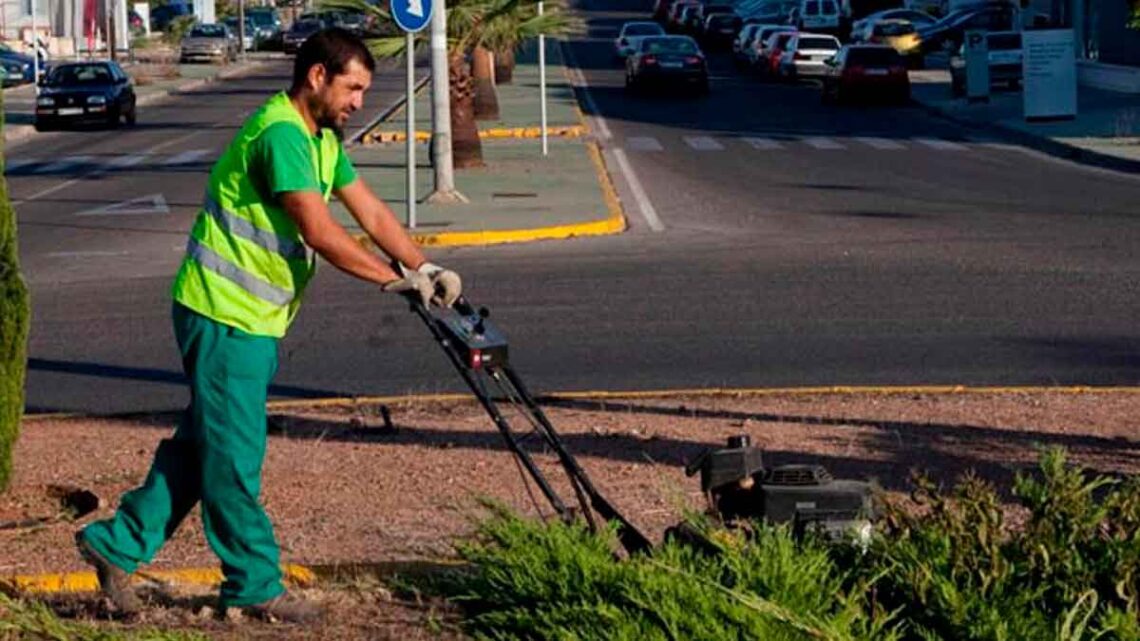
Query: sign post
x,y
977,67
542,82
411,16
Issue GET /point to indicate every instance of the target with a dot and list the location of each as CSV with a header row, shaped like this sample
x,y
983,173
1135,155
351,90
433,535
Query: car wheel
x,y
956,89
42,126
131,116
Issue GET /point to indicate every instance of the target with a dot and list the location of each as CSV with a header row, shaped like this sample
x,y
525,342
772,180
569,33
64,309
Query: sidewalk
x,y
1105,133
19,102
520,195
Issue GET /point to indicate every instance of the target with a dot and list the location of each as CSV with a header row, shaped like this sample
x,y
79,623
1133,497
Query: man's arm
x,y
378,221
329,239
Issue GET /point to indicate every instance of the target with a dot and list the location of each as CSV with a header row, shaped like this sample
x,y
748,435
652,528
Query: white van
x,y
816,15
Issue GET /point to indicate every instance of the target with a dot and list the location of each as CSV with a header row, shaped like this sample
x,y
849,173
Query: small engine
x,y
738,486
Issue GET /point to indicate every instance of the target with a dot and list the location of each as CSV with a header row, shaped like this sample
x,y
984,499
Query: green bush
x,y
14,313
952,570
178,28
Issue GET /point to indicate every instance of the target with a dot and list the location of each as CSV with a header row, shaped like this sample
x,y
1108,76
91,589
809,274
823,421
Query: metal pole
x,y
410,143
35,51
441,160
241,28
542,82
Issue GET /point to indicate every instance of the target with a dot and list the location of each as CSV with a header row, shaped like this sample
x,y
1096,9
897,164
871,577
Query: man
x,y
248,260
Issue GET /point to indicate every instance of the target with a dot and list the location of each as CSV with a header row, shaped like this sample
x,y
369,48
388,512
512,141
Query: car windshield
x,y
261,18
79,75
818,43
208,31
1003,41
893,28
873,56
669,45
642,30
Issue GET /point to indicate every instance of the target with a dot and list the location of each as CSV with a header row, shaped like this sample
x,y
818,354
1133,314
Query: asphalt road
x,y
786,244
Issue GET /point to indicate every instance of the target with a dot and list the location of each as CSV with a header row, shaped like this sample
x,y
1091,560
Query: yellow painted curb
x,y
568,131
87,582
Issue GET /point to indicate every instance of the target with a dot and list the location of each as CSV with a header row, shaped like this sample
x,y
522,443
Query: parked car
x,y
661,10
667,60
758,53
742,42
79,92
298,33
19,68
720,29
865,72
899,35
1004,53
820,16
268,25
249,37
696,18
767,11
630,37
949,32
804,55
676,20
773,50
210,42
919,19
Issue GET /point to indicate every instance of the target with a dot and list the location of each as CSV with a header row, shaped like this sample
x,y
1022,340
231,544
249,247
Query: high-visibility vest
x,y
246,264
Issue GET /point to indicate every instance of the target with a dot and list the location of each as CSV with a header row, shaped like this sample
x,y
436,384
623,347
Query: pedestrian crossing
x,y
188,159
650,144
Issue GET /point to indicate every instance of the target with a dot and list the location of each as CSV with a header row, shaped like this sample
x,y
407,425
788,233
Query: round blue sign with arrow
x,y
411,15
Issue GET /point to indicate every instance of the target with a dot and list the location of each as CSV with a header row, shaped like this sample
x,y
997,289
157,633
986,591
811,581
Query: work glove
x,y
411,282
446,284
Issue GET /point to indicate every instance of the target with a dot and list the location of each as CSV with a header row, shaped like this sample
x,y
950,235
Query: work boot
x,y
286,607
114,583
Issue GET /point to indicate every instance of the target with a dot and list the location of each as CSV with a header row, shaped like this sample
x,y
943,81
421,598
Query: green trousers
x,y
215,458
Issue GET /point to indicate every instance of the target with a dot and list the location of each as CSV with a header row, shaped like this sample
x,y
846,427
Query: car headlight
x,y
45,101
96,100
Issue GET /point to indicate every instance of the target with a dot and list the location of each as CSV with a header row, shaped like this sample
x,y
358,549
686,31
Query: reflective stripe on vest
x,y
242,228
247,281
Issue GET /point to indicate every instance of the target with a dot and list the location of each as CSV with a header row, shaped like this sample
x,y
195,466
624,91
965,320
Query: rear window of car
x,y
721,19
830,8
1003,41
893,28
668,45
811,9
818,43
780,40
873,57
208,31
642,30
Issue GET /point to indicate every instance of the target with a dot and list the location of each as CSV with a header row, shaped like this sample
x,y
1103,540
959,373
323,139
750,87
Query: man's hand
x,y
412,282
446,284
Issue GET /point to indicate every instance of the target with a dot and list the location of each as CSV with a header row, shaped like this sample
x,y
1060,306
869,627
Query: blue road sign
x,y
412,15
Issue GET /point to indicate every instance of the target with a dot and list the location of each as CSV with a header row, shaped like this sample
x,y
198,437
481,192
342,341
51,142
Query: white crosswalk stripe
x,y
763,144
186,157
123,162
703,143
64,164
940,145
881,143
643,143
820,142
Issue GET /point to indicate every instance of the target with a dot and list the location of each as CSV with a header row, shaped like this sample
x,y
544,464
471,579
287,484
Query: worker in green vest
x,y
251,252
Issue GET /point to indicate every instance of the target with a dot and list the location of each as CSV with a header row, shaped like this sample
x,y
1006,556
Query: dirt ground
x,y
342,489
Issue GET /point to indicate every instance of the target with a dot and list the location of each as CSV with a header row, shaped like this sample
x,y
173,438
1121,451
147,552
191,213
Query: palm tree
x,y
469,24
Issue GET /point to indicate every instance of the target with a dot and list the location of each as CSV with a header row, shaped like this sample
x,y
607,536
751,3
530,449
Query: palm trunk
x,y
483,71
504,66
466,147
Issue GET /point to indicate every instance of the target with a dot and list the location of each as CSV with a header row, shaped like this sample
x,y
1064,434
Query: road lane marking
x,y
123,162
64,164
643,143
186,157
880,143
702,143
763,144
85,254
820,142
643,204
578,80
940,145
151,204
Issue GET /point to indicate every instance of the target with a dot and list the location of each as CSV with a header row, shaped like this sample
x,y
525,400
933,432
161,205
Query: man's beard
x,y
327,121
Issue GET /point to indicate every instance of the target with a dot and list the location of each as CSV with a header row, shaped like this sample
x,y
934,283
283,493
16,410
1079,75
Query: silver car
x,y
210,43
805,55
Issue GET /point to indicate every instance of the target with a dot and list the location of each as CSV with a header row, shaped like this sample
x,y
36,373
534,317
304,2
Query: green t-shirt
x,y
280,161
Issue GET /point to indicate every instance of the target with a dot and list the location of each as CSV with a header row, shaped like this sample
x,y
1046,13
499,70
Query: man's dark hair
x,y
334,48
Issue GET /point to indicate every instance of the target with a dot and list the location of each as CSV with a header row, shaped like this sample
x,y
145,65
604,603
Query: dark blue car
x,y
85,92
